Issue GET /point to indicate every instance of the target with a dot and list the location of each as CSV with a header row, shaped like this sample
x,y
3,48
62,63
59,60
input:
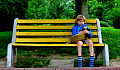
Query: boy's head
x,y
79,18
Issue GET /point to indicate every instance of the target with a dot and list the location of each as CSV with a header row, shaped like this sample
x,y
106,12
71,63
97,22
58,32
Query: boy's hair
x,y
80,17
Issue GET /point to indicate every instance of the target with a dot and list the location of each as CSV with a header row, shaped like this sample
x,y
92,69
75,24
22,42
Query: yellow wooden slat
x,y
43,33
91,21
44,27
53,45
52,21
48,33
50,27
47,39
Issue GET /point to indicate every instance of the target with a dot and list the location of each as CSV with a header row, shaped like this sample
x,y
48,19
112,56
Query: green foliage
x,y
25,53
3,52
10,10
48,51
41,64
99,63
54,9
46,9
97,10
36,51
104,24
44,52
5,39
111,37
85,52
105,10
31,63
114,16
109,3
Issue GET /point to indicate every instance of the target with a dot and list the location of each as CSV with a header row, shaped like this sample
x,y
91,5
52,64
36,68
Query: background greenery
x,y
106,10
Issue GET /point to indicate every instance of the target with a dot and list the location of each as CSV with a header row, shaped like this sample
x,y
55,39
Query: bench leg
x,y
14,55
106,55
9,55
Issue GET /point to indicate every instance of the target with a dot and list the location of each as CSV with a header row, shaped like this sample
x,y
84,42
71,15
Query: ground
x,y
113,62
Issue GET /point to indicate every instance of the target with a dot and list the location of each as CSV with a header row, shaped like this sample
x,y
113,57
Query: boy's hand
x,y
81,32
86,32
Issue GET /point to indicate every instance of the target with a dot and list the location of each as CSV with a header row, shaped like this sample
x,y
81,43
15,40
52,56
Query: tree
x,y
50,9
81,8
11,9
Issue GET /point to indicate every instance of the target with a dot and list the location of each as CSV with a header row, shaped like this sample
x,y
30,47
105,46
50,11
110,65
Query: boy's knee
x,y
80,42
90,43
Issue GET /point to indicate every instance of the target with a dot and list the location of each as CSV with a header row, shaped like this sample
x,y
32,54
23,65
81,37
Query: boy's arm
x,y
90,33
74,31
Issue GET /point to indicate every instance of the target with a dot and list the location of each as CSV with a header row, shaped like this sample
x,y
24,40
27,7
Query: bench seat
x,y
53,45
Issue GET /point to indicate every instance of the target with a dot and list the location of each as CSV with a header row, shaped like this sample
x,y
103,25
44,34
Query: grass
x,y
111,36
5,39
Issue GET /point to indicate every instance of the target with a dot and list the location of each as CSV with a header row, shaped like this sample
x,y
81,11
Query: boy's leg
x,y
91,61
79,47
91,49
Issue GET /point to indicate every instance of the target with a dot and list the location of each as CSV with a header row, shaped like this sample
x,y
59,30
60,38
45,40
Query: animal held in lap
x,y
79,37
87,36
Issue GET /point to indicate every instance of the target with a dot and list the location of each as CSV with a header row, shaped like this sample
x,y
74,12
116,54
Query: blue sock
x,y
80,61
91,61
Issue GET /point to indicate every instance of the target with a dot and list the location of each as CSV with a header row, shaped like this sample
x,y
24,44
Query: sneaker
x,y
80,61
91,62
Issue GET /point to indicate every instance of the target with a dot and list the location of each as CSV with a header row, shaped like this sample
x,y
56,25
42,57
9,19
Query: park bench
x,y
51,33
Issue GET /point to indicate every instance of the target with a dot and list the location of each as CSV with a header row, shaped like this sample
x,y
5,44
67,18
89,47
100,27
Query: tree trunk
x,y
81,8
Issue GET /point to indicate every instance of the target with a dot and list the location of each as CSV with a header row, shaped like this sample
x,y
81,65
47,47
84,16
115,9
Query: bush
x,y
40,64
25,53
97,11
116,22
114,15
3,52
31,63
104,24
50,9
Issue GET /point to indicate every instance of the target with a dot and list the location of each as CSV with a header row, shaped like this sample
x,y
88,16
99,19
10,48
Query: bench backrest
x,y
50,30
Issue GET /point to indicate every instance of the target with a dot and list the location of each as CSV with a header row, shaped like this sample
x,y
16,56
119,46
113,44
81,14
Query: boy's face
x,y
80,22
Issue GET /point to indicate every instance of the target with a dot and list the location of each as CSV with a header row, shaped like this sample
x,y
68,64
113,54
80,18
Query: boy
x,y
80,19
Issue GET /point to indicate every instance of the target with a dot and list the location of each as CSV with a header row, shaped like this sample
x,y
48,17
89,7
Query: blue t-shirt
x,y
76,29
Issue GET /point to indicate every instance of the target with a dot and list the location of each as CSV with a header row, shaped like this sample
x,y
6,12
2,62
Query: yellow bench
x,y
51,33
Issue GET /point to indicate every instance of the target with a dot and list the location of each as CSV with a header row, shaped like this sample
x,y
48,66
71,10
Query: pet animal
x,y
87,36
76,38
79,37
